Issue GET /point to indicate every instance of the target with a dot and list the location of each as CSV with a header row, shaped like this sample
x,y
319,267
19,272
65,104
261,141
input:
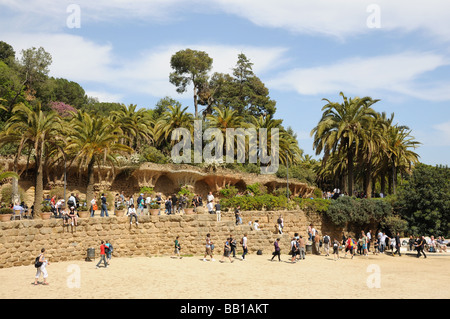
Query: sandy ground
x,y
371,277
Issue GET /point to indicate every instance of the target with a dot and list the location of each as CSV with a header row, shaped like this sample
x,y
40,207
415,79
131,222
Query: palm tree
x,y
398,152
94,140
7,174
224,118
174,117
288,149
38,130
341,127
135,125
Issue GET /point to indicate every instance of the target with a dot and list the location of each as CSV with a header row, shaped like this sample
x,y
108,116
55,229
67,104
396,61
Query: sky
x,y
396,51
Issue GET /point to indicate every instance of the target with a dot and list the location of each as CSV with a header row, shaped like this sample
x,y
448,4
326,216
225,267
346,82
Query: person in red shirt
x,y
102,256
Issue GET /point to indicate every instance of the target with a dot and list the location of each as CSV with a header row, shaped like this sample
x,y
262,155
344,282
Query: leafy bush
x,y
257,189
146,190
360,212
228,191
266,201
313,205
5,210
424,200
153,155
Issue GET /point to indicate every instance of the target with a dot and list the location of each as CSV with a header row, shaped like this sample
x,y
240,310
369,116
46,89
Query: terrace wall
x,y
21,240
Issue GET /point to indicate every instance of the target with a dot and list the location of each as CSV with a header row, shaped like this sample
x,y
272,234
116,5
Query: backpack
x,y
326,239
279,220
37,263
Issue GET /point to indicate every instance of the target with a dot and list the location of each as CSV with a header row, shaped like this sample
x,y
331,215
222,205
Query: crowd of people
x,y
336,193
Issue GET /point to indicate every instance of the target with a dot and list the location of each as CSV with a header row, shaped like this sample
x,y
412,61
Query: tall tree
x,y
34,68
190,66
242,91
340,129
36,129
135,125
91,141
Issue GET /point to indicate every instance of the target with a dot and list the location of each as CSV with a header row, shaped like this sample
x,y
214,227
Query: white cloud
x,y
343,18
337,18
147,72
397,73
103,96
443,133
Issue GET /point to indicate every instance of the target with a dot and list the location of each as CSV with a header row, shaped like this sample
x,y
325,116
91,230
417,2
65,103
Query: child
x,y
375,247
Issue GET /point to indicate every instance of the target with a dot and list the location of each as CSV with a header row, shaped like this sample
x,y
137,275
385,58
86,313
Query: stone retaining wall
x,y
21,240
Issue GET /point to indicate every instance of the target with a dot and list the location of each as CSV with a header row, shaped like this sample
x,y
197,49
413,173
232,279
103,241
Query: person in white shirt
x,y
59,206
369,239
210,207
244,246
132,213
256,225
210,197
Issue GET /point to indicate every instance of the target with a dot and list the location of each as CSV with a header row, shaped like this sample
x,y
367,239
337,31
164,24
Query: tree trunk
x,y
39,178
368,179
195,102
383,182
350,172
90,182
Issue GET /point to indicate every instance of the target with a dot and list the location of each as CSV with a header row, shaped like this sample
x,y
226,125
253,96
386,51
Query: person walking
x,y
398,245
41,269
108,251
335,250
233,246
244,243
294,249
102,256
226,251
301,247
208,247
369,240
177,247
316,240
349,246
326,245
420,245
277,251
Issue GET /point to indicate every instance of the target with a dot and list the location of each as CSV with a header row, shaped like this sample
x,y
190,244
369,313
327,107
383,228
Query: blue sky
x,y
395,51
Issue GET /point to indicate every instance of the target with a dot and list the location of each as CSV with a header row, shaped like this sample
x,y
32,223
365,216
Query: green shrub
x,y
228,191
153,155
257,189
5,210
